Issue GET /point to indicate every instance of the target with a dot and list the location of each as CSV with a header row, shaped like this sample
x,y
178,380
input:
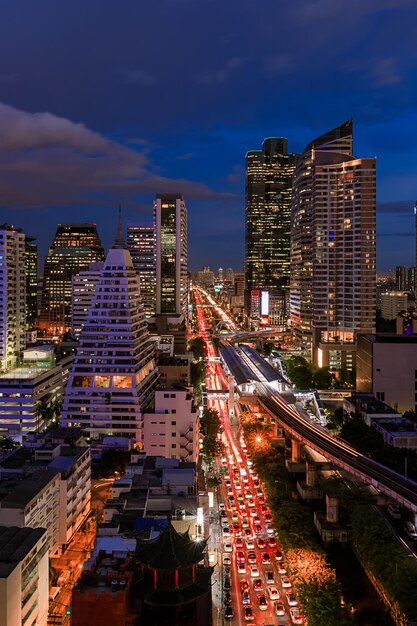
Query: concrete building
x,y
398,433
33,503
401,278
24,576
38,381
31,270
141,244
83,288
204,278
369,407
174,372
170,215
387,367
333,248
12,296
114,371
393,303
171,430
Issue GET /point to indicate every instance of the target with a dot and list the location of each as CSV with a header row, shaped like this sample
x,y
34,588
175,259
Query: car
x,y
245,522
251,557
244,585
264,509
247,532
296,616
223,515
273,592
240,555
262,603
278,555
285,582
279,609
250,544
224,522
228,612
259,493
258,529
261,500
251,503
270,530
291,599
238,486
227,598
272,542
256,520
261,543
266,559
269,576
227,546
239,543
252,512
241,567
281,568
237,529
226,531
248,613
255,480
254,572
221,506
258,585
226,559
241,504
231,499
246,597
268,517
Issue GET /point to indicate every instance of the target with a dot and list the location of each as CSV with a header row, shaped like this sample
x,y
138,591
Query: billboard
x,y
264,303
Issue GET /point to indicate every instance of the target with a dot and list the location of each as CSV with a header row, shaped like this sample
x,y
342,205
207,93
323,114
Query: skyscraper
x,y
170,215
142,247
114,373
12,295
268,208
333,248
400,278
31,268
83,288
74,247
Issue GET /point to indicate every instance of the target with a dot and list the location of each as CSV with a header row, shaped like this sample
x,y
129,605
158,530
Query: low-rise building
x,y
369,407
174,371
393,303
398,433
24,576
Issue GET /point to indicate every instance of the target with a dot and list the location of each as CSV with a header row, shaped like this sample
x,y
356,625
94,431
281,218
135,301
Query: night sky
x,y
105,102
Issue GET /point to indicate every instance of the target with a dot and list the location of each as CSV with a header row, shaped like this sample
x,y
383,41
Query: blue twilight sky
x,y
104,102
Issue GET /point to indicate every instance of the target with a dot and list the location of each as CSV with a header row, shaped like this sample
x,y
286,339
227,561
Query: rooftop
x,y
170,550
24,373
368,403
389,338
26,490
15,544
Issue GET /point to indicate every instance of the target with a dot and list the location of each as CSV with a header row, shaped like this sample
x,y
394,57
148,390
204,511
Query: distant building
x,y
141,244
114,372
393,303
268,218
170,216
74,247
31,269
387,367
12,295
171,430
83,288
24,576
204,278
333,248
400,278
369,407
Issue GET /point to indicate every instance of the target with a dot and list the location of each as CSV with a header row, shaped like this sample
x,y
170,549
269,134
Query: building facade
x,y
393,303
74,247
142,247
12,296
170,215
24,576
268,218
31,269
333,252
114,371
83,287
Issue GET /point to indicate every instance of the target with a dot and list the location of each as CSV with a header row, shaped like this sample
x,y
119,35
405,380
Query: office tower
x,y
239,282
12,295
204,278
411,274
114,373
268,208
142,247
74,247
31,268
333,248
229,275
170,215
83,287
400,278
220,275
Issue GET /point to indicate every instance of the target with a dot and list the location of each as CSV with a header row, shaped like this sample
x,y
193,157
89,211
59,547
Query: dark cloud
x,y
399,207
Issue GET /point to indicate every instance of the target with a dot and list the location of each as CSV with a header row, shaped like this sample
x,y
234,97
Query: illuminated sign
x,y
264,303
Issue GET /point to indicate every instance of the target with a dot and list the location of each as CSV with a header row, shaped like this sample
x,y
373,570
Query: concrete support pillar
x,y
232,384
295,450
311,474
332,509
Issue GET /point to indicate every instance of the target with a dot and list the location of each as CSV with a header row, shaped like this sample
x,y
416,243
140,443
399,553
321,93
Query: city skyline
x,y
141,119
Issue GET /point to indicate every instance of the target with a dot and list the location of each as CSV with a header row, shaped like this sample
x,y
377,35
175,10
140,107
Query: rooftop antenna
x,y
119,242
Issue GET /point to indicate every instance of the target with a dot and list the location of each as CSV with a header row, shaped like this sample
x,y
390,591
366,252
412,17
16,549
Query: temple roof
x,y
170,550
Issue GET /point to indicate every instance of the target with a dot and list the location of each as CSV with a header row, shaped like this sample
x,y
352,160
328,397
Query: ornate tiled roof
x,y
170,550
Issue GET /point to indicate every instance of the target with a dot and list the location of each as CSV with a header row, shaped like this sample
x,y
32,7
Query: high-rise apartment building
x,y
268,218
333,248
114,372
12,295
142,247
31,268
74,247
170,215
400,278
83,287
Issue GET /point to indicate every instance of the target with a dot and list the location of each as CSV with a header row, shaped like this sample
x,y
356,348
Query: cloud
x,y
278,64
399,207
384,72
185,157
220,76
322,9
137,77
46,160
237,175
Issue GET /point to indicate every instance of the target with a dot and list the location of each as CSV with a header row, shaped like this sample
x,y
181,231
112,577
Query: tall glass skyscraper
x,y
74,247
268,223
31,267
142,247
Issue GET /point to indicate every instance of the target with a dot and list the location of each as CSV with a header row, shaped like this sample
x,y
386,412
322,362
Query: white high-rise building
x,y
83,287
114,371
170,215
12,296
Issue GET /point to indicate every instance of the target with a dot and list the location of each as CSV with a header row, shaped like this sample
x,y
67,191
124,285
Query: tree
x,y
268,348
198,347
322,378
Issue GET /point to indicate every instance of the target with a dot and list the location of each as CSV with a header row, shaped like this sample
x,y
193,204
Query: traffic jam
x,y
255,579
